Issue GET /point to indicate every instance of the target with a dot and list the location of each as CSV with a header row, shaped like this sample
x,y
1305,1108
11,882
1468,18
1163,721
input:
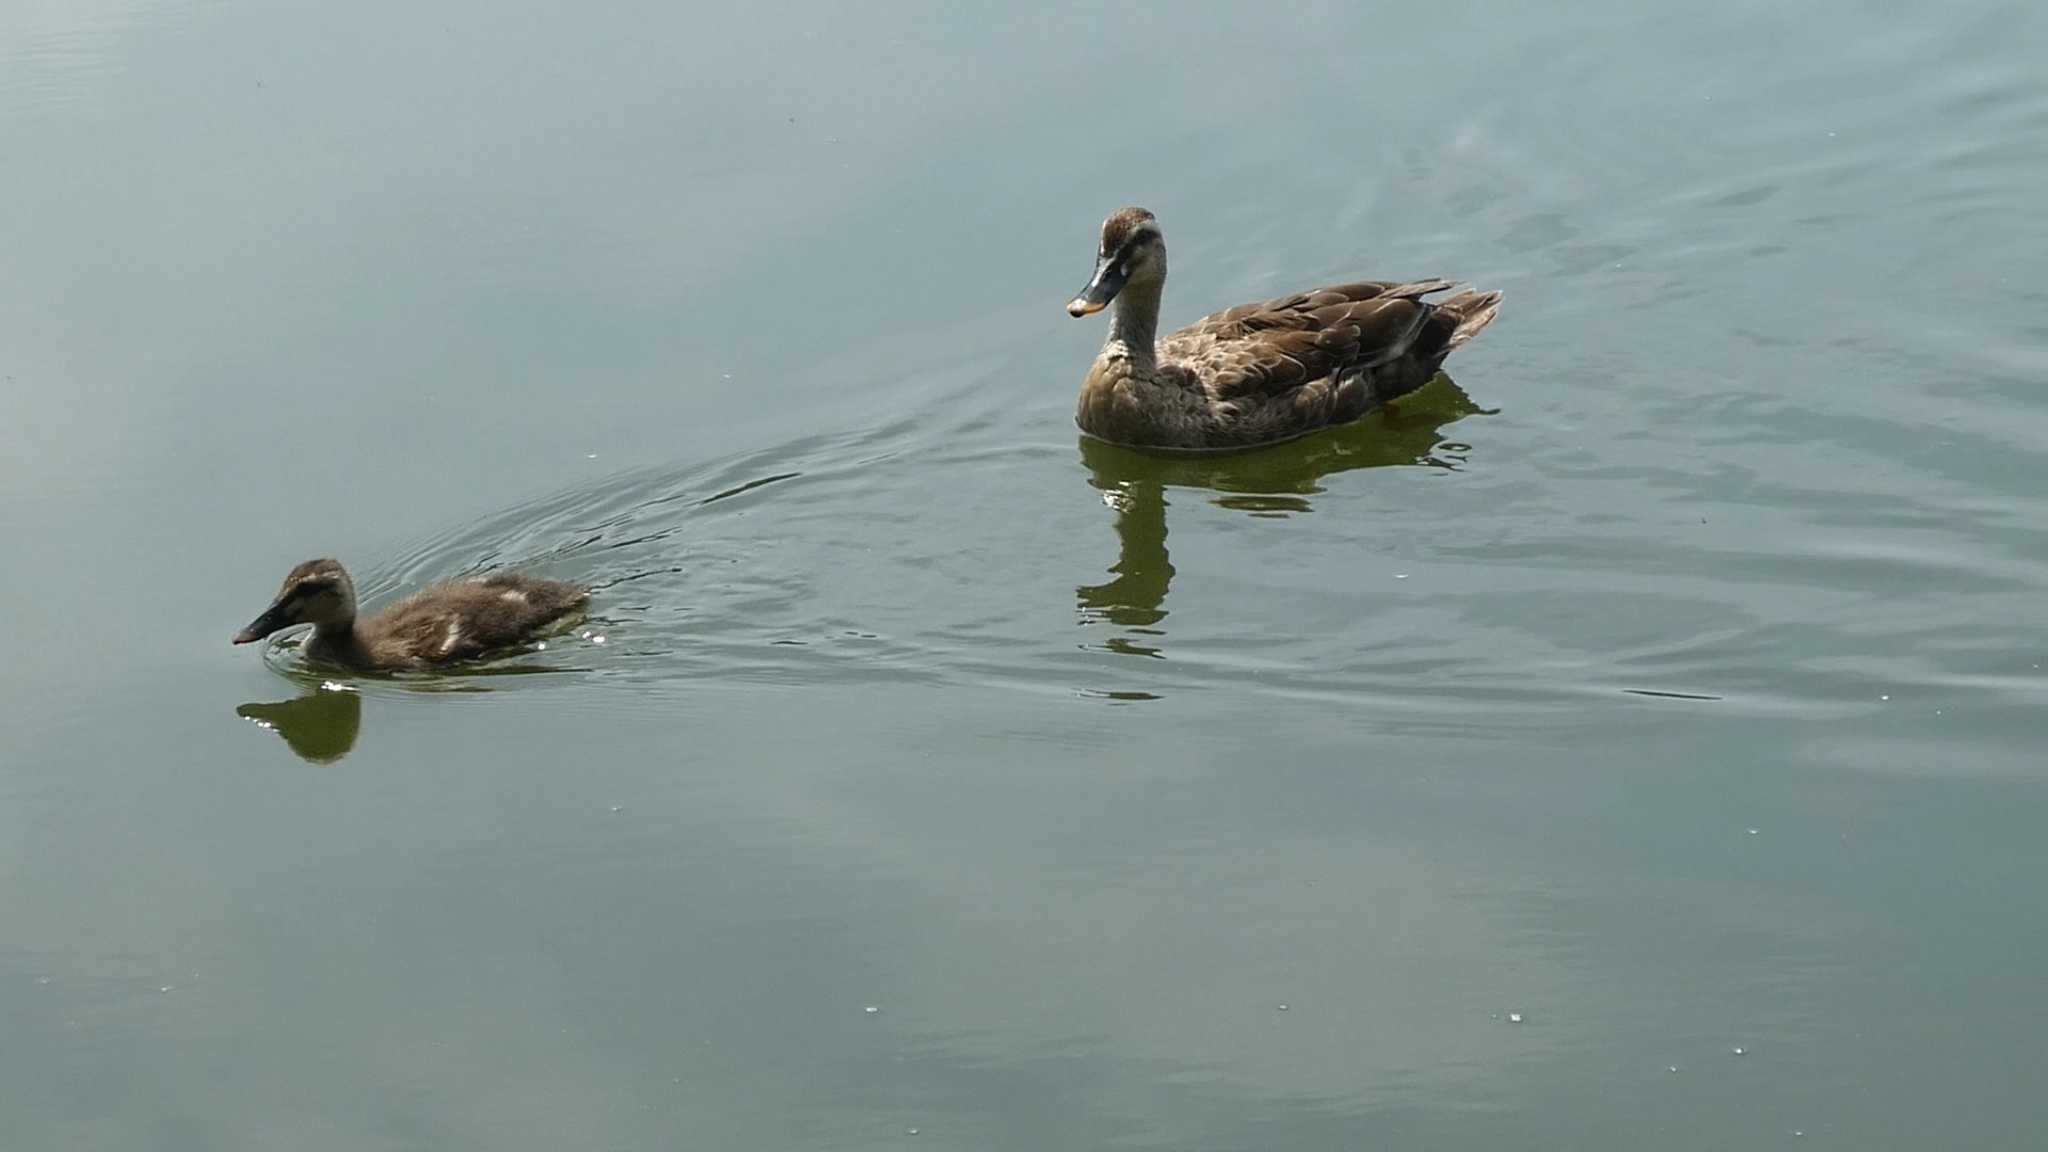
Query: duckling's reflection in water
x,y
320,727
1276,481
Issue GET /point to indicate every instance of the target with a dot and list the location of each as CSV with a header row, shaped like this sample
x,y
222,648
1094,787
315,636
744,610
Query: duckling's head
x,y
317,592
1131,251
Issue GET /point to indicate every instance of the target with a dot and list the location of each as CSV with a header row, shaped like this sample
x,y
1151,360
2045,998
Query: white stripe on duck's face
x,y
1134,248
1145,234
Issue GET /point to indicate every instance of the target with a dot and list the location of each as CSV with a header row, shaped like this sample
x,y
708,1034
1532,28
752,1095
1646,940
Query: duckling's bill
x,y
262,626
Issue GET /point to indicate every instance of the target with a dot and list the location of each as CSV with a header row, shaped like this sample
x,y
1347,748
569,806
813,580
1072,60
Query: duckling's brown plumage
x,y
439,624
1257,373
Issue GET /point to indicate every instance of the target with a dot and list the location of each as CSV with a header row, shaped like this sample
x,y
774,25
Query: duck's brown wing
x,y
1274,346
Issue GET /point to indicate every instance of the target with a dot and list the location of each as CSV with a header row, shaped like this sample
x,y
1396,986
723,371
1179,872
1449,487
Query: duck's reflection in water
x,y
1277,481
319,727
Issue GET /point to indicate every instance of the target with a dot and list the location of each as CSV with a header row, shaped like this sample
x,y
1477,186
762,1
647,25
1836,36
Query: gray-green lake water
x,y
1638,743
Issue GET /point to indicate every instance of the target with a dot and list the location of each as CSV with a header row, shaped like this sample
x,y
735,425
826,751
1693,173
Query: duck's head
x,y
1131,250
317,592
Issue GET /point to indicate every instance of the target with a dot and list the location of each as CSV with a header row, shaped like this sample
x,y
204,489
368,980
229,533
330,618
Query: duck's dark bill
x,y
260,627
1102,288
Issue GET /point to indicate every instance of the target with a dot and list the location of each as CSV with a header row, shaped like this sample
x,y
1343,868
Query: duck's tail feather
x,y
1474,310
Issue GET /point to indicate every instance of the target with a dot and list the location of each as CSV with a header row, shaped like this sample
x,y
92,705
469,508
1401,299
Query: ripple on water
x,y
1718,541
904,554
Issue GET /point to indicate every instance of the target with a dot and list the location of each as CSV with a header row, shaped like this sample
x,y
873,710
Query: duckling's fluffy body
x,y
440,624
446,623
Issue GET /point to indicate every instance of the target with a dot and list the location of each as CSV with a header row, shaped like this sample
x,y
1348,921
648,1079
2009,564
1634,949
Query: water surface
x,y
1632,740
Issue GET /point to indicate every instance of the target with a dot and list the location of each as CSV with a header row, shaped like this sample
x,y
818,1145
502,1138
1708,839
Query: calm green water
x,y
1638,743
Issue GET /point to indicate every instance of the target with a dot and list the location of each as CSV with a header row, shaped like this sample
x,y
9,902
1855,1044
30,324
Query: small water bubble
x,y
1799,1132
597,639
1400,575
1514,1017
1280,1007
1752,831
42,979
1885,696
590,455
1672,1068
872,1009
541,647
618,808
166,988
1739,1050
910,1131
331,686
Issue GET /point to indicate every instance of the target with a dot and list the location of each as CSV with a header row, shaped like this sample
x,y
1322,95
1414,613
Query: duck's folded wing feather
x,y
1288,311
1272,347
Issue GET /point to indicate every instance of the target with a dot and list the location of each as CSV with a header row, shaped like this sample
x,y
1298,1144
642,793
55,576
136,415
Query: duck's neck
x,y
339,642
1134,325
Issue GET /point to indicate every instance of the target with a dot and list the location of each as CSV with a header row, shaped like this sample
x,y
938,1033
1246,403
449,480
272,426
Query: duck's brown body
x,y
440,624
446,623
1257,373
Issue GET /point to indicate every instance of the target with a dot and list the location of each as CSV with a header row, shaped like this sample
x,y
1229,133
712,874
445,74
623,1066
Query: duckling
x,y
439,624
1257,373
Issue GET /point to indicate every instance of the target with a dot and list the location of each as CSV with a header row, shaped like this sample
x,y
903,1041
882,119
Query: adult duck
x,y
1257,373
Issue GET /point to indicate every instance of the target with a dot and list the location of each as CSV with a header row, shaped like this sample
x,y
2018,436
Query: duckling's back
x,y
464,619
